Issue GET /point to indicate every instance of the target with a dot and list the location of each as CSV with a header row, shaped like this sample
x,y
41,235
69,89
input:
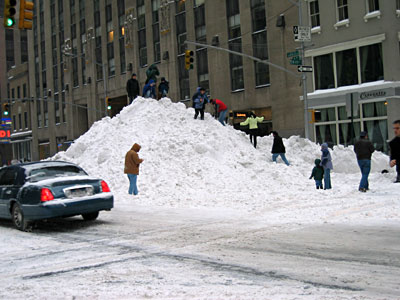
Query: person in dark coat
x,y
278,148
149,90
132,163
395,149
199,102
318,174
326,163
132,88
364,149
163,87
152,72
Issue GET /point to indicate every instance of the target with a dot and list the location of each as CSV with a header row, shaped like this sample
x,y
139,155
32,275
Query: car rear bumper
x,y
68,207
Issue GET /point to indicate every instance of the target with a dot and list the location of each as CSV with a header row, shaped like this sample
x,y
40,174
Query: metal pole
x,y
304,81
245,55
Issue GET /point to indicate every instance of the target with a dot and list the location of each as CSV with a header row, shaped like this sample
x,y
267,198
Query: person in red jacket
x,y
221,109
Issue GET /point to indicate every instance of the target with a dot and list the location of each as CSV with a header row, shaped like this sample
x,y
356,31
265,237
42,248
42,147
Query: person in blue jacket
x,y
326,163
149,90
199,102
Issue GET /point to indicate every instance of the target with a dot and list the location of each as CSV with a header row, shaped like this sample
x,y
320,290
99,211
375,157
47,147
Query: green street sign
x,y
292,54
296,61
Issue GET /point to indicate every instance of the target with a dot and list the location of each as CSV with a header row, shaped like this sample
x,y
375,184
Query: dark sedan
x,y
50,189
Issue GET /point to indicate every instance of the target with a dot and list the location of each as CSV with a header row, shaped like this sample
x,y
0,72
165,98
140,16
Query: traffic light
x,y
25,14
9,13
189,59
108,103
6,109
315,116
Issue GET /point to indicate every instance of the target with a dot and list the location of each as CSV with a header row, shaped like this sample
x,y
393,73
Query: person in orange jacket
x,y
132,162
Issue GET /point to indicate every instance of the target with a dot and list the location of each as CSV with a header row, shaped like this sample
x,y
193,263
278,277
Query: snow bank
x,y
192,163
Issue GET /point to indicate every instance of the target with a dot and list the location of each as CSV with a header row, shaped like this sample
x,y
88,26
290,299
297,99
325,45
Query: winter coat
x,y
318,171
219,105
278,146
326,158
252,122
132,88
149,91
163,87
199,100
152,72
363,149
132,160
395,149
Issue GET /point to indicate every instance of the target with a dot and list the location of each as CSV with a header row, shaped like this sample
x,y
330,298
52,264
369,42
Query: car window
x,y
8,177
54,172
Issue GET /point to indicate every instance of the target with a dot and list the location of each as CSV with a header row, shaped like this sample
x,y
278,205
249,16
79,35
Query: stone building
x,y
355,56
83,52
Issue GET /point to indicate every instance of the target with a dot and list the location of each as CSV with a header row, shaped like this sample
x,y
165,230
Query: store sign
x,y
5,135
372,95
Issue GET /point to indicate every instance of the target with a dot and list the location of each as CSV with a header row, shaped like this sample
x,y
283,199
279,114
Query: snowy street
x,y
144,253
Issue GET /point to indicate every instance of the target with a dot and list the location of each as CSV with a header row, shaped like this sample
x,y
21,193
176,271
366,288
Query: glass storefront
x,y
335,127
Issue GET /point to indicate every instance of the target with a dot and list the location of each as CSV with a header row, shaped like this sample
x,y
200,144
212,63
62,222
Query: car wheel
x,y
18,218
90,216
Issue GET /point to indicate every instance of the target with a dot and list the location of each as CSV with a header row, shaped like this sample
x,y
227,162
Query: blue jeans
x,y
132,184
365,167
222,115
282,155
318,183
327,178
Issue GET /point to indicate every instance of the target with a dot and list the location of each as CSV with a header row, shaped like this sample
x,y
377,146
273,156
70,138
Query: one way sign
x,y
304,68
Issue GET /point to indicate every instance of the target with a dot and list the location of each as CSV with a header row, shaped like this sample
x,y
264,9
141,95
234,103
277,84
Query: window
x,y
184,87
260,44
20,121
342,10
141,16
24,90
201,52
346,67
323,72
397,4
235,44
314,14
24,46
8,177
121,22
155,6
373,5
110,42
202,68
371,63
98,43
26,120
180,22
18,92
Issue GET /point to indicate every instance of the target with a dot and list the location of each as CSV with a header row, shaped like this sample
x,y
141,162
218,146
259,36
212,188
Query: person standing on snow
x,y
152,72
278,148
253,121
364,149
220,109
149,90
395,149
318,174
132,162
163,87
132,88
326,163
199,102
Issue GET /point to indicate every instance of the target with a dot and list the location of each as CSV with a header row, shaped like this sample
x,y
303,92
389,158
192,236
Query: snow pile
x,y
192,163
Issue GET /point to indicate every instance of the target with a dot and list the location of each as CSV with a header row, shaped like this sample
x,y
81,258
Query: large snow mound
x,y
192,163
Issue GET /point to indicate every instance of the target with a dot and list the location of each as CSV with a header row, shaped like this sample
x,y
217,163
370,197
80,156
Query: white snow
x,y
192,163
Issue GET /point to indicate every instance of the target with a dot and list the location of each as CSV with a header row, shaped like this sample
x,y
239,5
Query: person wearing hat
x,y
326,163
364,149
163,87
132,88
199,102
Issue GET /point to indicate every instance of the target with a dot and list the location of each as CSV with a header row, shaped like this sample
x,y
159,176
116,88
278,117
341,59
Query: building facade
x,y
83,52
355,56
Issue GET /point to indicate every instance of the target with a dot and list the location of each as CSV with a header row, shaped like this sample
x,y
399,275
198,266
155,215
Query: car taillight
x,y
46,195
104,187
